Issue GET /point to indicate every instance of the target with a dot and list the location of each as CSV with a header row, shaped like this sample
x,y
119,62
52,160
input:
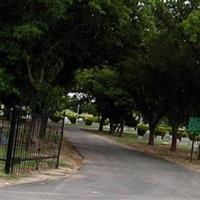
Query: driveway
x,y
113,172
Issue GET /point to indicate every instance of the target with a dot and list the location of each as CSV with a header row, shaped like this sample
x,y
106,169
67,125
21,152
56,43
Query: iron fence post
x,y
61,141
10,147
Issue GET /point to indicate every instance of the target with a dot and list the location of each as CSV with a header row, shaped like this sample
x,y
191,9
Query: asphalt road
x,y
112,172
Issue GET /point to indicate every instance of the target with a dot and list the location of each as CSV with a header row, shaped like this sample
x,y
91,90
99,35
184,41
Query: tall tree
x,y
44,41
176,60
104,86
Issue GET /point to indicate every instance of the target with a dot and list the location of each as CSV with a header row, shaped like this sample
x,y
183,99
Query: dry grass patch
x,y
70,162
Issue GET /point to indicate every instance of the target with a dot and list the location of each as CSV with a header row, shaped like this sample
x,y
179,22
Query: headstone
x,y
185,141
95,124
67,121
159,138
167,137
146,135
196,145
4,140
140,137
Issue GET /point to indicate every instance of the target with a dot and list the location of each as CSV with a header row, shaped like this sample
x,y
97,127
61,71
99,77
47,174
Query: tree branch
x,y
28,65
58,69
60,41
41,74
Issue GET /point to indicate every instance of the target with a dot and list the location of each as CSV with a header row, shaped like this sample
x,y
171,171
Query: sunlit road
x,y
112,172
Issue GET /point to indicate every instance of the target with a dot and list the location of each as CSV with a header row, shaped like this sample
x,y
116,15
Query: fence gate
x,y
28,141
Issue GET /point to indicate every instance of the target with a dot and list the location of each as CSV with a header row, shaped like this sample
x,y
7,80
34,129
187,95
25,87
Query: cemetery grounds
x,y
161,148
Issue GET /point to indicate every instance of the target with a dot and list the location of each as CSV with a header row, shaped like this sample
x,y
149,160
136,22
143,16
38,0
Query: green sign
x,y
194,124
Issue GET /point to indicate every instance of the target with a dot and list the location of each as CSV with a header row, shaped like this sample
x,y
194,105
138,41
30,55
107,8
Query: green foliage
x,y
72,116
193,136
192,26
48,99
89,119
56,117
27,32
181,134
131,121
161,131
89,108
111,101
142,129
4,81
43,42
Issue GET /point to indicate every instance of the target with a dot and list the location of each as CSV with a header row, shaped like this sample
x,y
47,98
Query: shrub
x,y
56,117
161,131
142,128
180,134
72,117
141,131
88,122
194,136
89,119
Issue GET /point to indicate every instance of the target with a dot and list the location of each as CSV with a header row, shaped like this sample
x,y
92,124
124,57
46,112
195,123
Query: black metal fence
x,y
28,141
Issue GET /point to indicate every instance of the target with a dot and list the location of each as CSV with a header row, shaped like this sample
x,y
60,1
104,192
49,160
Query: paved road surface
x,y
112,172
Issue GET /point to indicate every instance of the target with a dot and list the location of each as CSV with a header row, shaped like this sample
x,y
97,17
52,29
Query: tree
x,y
145,90
44,42
4,81
27,47
103,85
176,61
192,27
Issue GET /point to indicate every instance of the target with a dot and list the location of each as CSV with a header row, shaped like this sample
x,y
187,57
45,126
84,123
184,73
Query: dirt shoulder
x,y
181,157
70,162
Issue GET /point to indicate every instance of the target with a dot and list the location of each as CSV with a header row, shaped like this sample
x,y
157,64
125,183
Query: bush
x,y
72,119
89,119
161,131
56,117
142,128
180,134
72,116
88,122
194,136
141,131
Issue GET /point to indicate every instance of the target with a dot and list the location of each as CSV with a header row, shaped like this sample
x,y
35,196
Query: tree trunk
x,y
111,127
7,113
174,138
37,122
43,126
152,128
101,123
121,128
31,131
